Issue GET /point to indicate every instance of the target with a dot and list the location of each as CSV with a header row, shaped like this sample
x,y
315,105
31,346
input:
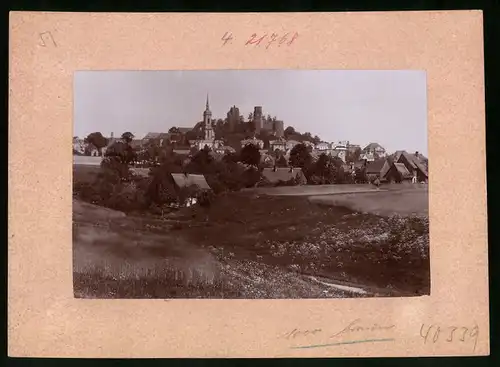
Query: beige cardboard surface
x,y
44,318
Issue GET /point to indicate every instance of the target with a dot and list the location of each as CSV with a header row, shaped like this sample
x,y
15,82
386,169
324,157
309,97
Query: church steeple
x,y
207,123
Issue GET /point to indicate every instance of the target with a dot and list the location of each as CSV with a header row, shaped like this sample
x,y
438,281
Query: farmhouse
x,y
183,181
398,173
413,165
377,169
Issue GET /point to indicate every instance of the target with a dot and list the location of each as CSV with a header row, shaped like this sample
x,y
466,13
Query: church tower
x,y
208,132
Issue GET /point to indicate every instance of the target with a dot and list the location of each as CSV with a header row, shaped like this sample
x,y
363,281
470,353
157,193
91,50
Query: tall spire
x,y
207,107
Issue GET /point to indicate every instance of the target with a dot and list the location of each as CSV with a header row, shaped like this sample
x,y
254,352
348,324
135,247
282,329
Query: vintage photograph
x,y
253,184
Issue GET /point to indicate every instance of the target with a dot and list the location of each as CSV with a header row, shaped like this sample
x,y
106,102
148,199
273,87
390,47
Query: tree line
x,y
117,186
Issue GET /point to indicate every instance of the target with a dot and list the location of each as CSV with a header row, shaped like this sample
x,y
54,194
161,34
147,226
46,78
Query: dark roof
x,y
184,130
359,164
402,170
413,160
375,166
373,146
182,180
152,135
281,174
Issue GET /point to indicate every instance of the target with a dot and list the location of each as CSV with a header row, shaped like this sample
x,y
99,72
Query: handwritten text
x,y
450,334
355,326
265,40
47,39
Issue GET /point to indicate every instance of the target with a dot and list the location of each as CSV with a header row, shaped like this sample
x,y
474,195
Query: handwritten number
x,y
273,37
426,334
463,335
283,39
453,328
474,334
226,38
47,36
436,334
295,36
254,40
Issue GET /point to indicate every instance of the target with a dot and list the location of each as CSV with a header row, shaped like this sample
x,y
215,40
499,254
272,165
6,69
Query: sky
x,y
361,106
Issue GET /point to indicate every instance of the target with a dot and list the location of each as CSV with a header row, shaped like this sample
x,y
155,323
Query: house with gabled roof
x,y
377,168
413,164
185,180
375,149
398,173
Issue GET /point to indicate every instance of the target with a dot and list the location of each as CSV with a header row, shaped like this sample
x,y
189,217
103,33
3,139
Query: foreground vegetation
x,y
271,247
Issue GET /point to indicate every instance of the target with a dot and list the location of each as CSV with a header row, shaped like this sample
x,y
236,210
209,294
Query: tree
x,y
316,139
264,136
281,161
307,136
300,156
201,162
230,157
191,135
122,152
250,154
97,140
289,131
174,130
352,156
128,136
250,116
325,168
360,175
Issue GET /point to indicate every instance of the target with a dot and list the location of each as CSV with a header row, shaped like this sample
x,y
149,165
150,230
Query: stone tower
x,y
208,132
257,118
233,117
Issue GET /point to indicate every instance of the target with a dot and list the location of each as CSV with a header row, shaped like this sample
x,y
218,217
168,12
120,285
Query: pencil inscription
x,y
266,40
450,334
47,39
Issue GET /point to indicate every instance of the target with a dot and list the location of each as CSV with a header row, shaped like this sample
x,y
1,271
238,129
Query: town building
x,y
352,148
339,149
323,147
368,157
278,144
375,149
78,146
257,142
208,139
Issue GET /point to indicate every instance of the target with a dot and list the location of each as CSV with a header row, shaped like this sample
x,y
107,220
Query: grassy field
x,y
248,245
